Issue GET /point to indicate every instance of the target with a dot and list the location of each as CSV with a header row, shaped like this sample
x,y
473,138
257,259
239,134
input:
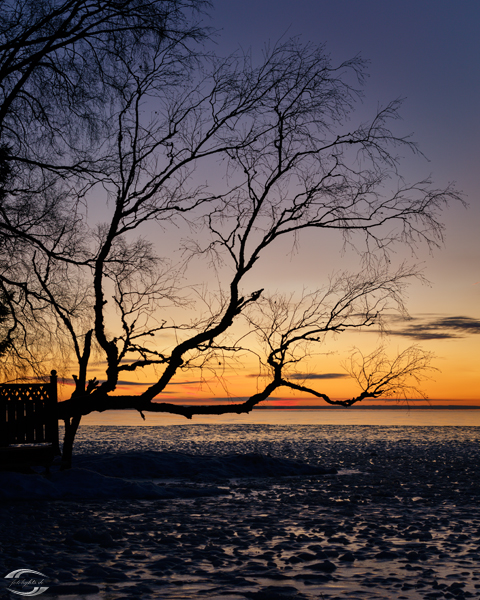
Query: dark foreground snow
x,y
246,513
117,476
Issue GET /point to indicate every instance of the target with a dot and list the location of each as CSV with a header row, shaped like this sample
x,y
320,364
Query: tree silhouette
x,y
5,342
158,132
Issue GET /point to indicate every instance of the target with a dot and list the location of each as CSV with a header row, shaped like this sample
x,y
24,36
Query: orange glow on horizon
x,y
457,382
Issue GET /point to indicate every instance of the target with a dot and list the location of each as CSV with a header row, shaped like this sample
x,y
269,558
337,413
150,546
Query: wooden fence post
x,y
51,427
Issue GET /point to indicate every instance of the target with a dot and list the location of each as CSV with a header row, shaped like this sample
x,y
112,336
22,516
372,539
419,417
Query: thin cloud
x,y
102,363
183,382
69,381
303,376
443,328
149,383
125,382
319,376
219,399
417,334
465,324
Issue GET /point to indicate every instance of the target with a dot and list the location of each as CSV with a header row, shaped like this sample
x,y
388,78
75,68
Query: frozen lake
x,y
244,512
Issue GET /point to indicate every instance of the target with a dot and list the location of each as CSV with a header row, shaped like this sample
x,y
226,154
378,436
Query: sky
x,y
428,53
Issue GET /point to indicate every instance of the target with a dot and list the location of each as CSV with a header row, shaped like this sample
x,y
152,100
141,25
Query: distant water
x,y
351,416
325,445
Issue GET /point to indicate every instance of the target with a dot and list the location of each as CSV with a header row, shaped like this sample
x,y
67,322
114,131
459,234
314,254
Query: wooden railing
x,y
28,416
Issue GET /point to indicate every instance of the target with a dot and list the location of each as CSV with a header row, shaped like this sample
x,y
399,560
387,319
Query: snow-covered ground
x,y
234,512
148,475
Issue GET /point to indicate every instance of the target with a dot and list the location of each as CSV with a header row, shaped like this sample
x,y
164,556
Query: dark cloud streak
x,y
302,376
444,328
319,376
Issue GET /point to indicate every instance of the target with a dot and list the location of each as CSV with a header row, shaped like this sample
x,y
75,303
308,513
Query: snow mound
x,y
131,475
176,465
83,483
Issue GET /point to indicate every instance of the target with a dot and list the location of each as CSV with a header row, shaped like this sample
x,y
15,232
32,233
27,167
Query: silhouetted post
x,y
51,423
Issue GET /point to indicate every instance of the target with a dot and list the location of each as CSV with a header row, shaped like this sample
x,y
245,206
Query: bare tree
x,y
291,328
278,132
64,67
59,67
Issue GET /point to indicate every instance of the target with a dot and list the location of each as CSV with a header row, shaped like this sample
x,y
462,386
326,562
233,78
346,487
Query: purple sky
x,y
427,52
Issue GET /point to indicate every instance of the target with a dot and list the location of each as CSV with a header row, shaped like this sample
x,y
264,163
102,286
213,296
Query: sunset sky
x,y
429,54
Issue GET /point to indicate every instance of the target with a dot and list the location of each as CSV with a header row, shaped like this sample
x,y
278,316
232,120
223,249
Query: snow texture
x,y
131,475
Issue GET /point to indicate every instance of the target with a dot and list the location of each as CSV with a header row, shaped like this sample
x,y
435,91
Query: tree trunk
x,y
71,427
